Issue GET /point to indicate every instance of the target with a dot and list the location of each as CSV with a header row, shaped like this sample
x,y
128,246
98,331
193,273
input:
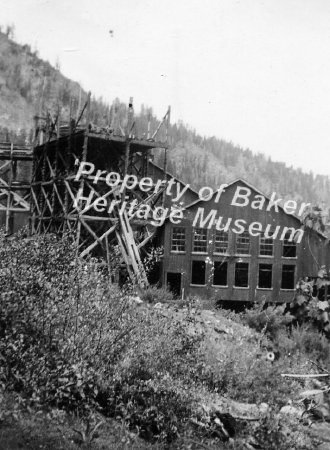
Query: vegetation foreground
x,y
83,365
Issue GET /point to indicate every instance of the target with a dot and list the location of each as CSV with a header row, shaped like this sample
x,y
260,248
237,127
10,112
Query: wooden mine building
x,y
231,265
38,186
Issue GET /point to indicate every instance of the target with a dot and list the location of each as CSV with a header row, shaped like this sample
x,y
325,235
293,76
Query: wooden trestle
x,y
58,151
15,178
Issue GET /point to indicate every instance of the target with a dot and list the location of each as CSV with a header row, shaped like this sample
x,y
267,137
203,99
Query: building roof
x,y
240,180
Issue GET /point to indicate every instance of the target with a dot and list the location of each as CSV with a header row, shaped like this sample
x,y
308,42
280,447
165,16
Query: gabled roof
x,y
240,180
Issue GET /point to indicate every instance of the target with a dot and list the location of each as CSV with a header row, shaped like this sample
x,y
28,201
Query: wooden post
x,y
83,158
167,129
108,258
55,175
33,209
168,118
9,225
79,105
130,113
165,174
149,125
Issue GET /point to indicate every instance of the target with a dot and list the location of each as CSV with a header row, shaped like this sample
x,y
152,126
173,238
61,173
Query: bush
x,y
308,342
281,433
154,294
270,320
57,316
71,340
240,370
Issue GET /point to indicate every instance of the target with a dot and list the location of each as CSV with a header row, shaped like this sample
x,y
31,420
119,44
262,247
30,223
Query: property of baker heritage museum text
x,y
112,188
211,242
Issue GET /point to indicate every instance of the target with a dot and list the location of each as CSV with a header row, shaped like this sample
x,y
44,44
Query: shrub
x,y
71,340
270,319
241,371
308,342
57,316
154,294
281,433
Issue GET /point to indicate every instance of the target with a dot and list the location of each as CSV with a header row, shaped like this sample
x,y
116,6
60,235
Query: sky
x,y
253,72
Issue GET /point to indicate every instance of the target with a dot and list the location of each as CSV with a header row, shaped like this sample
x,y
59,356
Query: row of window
x,y
220,274
221,243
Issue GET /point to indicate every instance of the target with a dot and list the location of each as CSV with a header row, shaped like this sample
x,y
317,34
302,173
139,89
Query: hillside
x,y
28,85
213,161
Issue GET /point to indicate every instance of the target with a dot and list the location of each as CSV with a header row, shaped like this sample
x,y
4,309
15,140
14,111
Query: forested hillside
x,y
212,161
29,85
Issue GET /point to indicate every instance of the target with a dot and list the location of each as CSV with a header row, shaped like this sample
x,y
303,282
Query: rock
x,y
243,411
316,395
291,411
221,427
220,330
135,300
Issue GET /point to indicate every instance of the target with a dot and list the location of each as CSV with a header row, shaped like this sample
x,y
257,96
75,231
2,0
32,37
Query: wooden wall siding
x,y
312,250
157,173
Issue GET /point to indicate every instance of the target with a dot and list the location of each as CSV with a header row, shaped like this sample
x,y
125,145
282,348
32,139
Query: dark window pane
x,y
242,274
221,242
243,243
178,239
198,272
266,246
265,276
288,277
220,273
289,247
200,240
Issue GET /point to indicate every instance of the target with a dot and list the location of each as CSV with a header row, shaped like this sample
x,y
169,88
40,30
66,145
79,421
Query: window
x,y
265,276
287,277
242,275
200,240
178,239
266,246
198,272
289,247
220,273
243,243
221,242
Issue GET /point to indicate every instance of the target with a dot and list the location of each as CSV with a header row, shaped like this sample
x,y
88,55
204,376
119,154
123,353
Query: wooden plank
x,y
36,204
8,226
46,198
84,157
13,209
90,248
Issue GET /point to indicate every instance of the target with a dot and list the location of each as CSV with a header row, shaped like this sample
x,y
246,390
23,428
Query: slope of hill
x,y
28,85
211,162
